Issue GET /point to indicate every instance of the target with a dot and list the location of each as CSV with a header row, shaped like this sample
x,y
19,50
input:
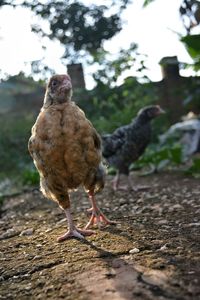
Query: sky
x,y
155,29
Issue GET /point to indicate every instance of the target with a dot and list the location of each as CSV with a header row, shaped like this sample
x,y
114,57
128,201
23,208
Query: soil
x,y
151,253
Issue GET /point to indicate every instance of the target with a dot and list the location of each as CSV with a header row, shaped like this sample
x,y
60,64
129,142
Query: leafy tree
x,y
190,14
112,67
81,29
147,2
111,107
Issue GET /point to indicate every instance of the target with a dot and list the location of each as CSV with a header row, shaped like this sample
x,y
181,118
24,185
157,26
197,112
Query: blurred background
x,y
122,55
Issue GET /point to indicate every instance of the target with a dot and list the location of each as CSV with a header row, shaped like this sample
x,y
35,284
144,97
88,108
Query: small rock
x,y
110,274
49,288
75,250
163,248
61,221
28,287
37,257
134,250
162,222
9,233
28,231
48,230
25,275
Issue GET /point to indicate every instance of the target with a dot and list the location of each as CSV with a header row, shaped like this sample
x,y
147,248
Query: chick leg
x,y
73,231
116,186
97,216
115,182
128,186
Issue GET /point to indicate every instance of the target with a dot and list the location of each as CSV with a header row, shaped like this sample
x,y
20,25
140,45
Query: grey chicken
x,y
127,143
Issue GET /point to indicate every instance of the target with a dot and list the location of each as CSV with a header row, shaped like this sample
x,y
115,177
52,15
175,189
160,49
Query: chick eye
x,y
54,83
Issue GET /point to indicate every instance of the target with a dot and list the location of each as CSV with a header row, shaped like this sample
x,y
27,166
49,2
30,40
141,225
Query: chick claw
x,y
98,218
76,232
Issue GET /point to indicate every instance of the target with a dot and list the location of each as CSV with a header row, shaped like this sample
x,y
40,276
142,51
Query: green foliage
x,y
157,157
192,43
194,169
30,176
147,2
1,200
80,28
191,97
14,134
190,14
111,68
110,107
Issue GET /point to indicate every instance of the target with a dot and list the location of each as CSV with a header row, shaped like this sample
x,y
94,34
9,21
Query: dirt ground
x,y
152,253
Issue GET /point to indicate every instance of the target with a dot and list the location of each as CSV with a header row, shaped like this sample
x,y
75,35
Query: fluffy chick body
x,y
66,151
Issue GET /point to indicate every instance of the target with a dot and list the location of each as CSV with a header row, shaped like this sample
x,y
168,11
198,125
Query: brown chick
x,y
66,151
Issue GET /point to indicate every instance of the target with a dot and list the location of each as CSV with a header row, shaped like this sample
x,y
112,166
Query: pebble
x,y
61,221
28,231
75,250
9,233
134,250
163,248
162,222
191,225
37,257
28,287
110,274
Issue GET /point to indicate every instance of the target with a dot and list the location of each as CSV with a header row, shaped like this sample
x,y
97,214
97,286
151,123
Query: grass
x,y
14,134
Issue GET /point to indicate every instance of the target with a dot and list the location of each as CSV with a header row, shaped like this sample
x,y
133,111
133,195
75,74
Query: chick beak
x,y
66,85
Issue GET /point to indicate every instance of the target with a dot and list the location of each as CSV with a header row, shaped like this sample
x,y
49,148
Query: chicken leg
x,y
129,186
97,216
116,181
73,231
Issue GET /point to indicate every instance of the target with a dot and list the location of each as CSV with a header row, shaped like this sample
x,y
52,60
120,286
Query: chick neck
x,y
142,119
49,100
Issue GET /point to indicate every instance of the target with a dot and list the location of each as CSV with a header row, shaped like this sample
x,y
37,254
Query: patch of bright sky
x,y
152,28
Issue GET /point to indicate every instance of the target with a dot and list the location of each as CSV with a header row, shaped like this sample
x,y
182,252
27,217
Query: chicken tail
x,y
96,179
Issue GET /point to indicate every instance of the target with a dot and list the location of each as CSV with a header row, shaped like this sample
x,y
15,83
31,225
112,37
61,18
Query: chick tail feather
x,y
96,179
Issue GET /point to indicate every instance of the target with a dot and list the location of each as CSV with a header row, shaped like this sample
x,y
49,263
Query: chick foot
x,y
127,187
116,186
140,188
97,217
75,232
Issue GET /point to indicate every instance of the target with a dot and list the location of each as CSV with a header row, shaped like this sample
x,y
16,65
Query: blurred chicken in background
x,y
127,143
